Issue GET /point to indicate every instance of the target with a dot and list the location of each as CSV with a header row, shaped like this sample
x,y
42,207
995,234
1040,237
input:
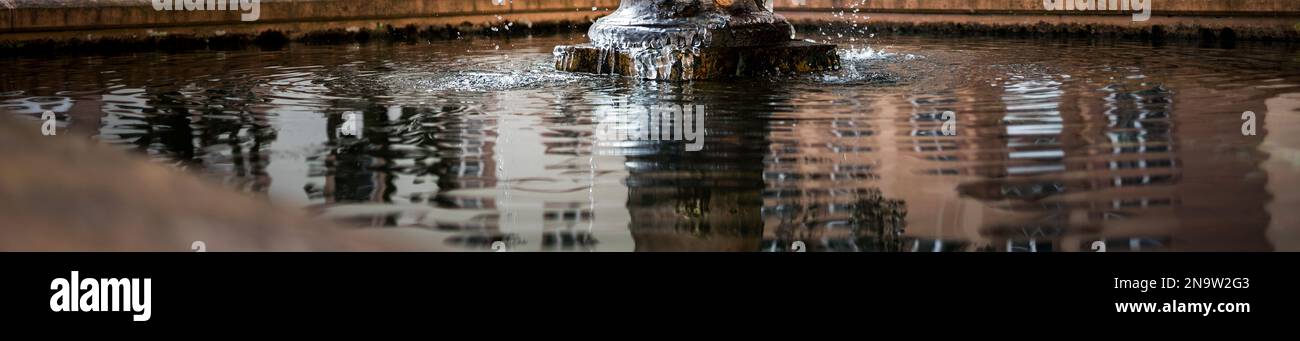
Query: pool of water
x,y
916,144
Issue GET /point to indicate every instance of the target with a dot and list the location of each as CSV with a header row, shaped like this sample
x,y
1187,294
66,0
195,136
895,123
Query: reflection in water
x,y
708,200
1066,174
471,145
1283,169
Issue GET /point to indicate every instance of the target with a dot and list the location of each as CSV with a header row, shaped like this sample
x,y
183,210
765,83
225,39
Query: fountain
x,y
682,40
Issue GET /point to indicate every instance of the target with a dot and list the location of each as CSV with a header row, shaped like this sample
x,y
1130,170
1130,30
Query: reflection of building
x,y
358,169
1283,168
1038,164
922,166
1051,165
1068,172
538,189
818,172
1070,187
223,140
709,200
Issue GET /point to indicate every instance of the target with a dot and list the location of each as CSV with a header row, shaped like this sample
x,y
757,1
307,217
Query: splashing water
x,y
869,53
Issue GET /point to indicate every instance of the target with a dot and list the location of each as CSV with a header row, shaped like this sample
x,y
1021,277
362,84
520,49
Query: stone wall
x,y
1194,19
26,20
1036,7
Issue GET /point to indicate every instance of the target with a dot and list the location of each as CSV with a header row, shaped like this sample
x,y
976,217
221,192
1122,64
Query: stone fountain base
x,y
674,64
684,40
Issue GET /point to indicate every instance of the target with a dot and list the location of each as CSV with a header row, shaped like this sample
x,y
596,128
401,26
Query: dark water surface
x,y
1058,143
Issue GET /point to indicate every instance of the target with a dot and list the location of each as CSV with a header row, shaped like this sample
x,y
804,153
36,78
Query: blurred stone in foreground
x,y
62,193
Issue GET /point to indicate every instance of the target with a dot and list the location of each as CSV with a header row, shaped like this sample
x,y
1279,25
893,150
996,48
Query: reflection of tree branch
x,y
705,212
692,214
879,223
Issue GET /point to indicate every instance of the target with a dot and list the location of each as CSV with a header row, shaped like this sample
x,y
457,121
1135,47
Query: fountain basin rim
x,y
698,63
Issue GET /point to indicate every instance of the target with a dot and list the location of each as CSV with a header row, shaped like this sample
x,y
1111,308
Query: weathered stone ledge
x,y
83,15
1276,20
93,26
1036,7
274,37
109,26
